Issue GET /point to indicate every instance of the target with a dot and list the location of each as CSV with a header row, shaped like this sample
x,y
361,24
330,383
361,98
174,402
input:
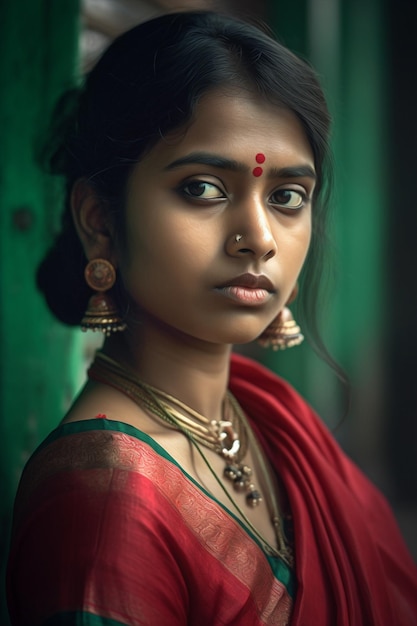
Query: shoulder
x,y
92,460
91,514
279,413
89,443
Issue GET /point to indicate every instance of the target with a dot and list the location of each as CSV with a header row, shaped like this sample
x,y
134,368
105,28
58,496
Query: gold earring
x,y
101,314
283,332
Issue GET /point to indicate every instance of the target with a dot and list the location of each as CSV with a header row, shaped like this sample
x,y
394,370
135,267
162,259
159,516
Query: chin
x,y
242,339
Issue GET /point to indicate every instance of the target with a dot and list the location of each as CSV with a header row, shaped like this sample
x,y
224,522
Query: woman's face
x,y
218,221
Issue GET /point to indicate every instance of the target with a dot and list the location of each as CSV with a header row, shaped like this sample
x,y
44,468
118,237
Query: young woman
x,y
186,485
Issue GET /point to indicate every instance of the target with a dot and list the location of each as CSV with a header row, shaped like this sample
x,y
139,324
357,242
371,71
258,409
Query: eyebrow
x,y
298,171
213,160
205,158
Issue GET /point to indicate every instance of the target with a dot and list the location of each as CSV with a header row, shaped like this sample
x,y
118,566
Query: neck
x,y
195,372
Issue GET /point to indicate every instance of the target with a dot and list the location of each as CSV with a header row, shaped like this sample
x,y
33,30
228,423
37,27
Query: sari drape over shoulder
x,y
352,566
109,530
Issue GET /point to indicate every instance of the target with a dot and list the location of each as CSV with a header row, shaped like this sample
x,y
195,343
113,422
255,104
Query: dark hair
x,y
147,84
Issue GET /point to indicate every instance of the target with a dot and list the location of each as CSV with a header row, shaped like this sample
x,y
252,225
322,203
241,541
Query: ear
x,y
92,222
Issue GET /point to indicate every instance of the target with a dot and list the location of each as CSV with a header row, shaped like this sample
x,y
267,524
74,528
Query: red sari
x,y
109,530
352,566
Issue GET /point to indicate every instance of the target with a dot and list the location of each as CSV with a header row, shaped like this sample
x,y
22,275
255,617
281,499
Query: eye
x,y
201,189
289,198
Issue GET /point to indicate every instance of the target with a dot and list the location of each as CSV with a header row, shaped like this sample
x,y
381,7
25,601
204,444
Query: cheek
x,y
307,241
296,243
305,234
158,258
135,258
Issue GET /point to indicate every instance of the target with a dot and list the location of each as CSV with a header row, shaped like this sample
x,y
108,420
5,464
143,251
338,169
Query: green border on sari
x,y
280,569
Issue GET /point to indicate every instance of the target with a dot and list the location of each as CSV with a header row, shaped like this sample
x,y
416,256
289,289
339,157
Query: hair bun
x,y
60,277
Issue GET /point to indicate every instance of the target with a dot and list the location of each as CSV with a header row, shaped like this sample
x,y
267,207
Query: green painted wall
x,y
38,357
344,41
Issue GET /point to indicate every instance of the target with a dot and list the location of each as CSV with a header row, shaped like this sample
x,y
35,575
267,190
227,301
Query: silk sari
x,y
352,566
109,530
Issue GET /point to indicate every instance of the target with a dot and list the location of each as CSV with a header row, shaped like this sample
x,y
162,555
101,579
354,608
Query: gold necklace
x,y
227,437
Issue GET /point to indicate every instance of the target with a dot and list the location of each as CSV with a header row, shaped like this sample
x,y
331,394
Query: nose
x,y
251,233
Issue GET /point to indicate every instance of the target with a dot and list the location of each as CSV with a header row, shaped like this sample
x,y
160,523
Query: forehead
x,y
241,126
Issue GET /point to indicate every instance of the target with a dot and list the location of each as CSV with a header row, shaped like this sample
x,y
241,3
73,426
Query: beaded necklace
x,y
228,437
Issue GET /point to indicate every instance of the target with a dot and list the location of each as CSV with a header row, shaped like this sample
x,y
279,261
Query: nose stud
x,y
234,244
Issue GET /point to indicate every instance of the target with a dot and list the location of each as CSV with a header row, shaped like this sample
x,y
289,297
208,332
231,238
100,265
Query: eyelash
x,y
302,195
184,190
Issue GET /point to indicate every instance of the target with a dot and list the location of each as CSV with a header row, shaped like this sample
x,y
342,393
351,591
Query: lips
x,y
250,281
247,289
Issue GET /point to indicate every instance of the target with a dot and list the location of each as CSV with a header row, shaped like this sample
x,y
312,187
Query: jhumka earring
x,y
101,314
283,332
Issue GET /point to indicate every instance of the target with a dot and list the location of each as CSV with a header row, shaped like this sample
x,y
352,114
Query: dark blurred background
x,y
366,54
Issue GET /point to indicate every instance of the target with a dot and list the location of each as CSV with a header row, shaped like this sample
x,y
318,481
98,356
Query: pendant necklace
x,y
229,437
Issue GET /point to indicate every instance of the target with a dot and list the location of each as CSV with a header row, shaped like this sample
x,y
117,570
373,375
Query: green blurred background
x,y
366,54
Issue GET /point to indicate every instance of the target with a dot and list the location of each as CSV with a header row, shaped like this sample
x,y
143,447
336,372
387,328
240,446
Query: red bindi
x,y
259,158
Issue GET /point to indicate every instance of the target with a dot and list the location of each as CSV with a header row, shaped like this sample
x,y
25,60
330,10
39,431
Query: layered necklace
x,y
228,437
